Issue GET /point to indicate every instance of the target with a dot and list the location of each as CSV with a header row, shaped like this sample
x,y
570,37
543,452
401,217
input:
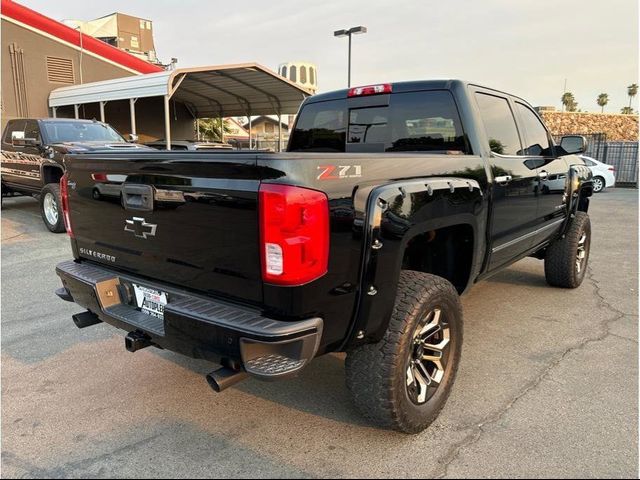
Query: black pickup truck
x,y
33,150
391,201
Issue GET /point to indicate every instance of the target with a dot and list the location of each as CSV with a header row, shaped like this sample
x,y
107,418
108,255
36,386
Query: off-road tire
x,y
376,374
54,190
560,267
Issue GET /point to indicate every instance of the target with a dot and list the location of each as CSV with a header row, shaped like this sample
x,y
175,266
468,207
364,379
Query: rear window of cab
x,y
426,121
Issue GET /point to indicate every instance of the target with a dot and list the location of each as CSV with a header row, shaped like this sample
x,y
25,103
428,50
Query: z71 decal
x,y
337,172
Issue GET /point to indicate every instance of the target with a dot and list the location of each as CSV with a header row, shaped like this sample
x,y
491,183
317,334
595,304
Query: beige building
x,y
304,74
132,34
40,54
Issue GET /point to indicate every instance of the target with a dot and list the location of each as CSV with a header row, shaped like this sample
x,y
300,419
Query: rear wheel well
x,y
446,252
51,175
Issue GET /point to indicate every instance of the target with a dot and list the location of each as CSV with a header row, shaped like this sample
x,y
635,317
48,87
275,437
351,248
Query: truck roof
x,y
409,86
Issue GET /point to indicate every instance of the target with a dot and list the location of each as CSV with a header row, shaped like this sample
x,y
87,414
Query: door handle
x,y
503,179
543,175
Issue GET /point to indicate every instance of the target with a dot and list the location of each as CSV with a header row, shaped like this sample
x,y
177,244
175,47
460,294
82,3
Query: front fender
x,y
579,189
394,214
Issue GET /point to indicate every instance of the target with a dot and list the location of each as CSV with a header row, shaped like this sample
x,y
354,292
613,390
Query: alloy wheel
x,y
582,253
598,184
50,208
428,357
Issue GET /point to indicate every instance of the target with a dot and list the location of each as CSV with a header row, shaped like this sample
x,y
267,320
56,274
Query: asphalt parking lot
x,y
548,385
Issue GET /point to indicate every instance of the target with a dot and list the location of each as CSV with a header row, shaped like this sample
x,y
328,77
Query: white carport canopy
x,y
217,91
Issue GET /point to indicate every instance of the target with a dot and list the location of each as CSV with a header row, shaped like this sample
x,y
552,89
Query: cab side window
x,y
499,124
12,126
536,138
32,130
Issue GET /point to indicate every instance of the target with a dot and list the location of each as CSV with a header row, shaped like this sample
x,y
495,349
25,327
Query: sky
x,y
525,47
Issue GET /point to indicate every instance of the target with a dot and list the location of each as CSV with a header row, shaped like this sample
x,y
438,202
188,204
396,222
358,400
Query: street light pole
x,y
349,67
347,33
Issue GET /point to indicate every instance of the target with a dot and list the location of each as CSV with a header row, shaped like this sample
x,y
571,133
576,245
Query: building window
x,y
303,74
60,70
293,74
284,71
312,75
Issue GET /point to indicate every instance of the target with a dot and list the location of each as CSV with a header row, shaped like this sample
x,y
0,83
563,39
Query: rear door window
x,y
425,121
499,124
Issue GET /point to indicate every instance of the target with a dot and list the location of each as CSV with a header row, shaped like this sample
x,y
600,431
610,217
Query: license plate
x,y
150,301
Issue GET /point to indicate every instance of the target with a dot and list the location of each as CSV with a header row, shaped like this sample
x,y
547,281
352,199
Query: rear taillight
x,y
612,169
294,234
64,200
370,90
99,177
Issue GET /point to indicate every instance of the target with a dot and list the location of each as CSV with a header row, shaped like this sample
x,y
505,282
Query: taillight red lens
x,y
294,234
64,200
370,90
99,177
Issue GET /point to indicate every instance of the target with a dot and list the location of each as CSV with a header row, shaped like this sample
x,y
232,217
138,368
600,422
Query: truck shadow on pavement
x,y
319,390
515,276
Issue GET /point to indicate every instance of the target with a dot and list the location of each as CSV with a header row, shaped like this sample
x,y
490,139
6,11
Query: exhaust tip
x,y
212,383
85,319
224,377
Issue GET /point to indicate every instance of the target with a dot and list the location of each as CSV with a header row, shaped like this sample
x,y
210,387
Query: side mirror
x,y
132,138
573,144
18,140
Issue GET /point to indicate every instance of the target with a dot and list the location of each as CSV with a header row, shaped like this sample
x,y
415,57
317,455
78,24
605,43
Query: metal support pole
x,y
250,136
76,111
132,110
167,122
349,67
54,109
279,132
102,111
221,129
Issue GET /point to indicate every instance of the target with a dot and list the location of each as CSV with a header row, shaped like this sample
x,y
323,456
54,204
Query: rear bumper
x,y
610,180
194,325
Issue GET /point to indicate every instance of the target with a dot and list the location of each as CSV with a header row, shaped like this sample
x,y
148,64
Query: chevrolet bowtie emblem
x,y
140,228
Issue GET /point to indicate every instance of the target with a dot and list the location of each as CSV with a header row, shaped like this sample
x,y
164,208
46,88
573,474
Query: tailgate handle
x,y
137,197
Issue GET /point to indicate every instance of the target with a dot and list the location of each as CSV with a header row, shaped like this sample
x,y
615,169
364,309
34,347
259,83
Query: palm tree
x,y
632,91
210,128
568,101
627,111
602,100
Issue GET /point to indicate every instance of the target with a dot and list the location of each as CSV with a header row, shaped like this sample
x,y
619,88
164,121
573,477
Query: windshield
x,y
59,132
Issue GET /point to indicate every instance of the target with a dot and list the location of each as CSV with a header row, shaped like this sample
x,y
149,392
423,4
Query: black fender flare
x,y
390,215
47,164
579,189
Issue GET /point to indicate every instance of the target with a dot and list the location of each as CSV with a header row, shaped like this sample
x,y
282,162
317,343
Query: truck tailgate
x,y
171,217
